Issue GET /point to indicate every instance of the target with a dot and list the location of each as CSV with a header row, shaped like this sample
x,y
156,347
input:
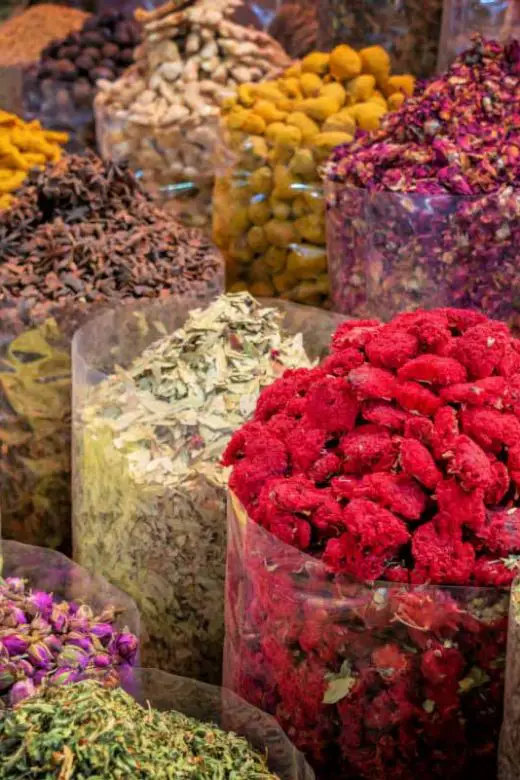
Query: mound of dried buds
x,y
398,459
43,640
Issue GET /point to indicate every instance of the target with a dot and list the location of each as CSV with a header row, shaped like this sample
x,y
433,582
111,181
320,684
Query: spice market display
x,y
82,235
269,206
48,642
373,538
426,211
162,115
150,498
87,730
61,85
23,147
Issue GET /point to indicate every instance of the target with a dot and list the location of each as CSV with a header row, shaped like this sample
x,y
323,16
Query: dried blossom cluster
x,y
398,457
46,641
459,135
82,232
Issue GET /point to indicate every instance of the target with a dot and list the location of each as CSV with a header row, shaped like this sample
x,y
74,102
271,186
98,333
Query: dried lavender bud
x,y
150,501
79,729
82,235
43,641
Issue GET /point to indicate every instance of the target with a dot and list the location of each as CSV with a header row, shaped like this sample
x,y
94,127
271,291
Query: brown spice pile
x,y
296,27
24,36
84,232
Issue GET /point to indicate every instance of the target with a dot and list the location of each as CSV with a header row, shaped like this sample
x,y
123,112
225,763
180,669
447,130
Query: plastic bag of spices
x,y
80,236
426,212
163,727
409,32
372,680
162,115
156,399
269,205
59,623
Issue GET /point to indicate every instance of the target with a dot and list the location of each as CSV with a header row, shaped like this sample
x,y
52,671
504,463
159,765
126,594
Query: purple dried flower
x,y
39,654
16,617
21,690
126,645
16,584
42,602
103,631
15,644
82,641
59,617
72,656
102,661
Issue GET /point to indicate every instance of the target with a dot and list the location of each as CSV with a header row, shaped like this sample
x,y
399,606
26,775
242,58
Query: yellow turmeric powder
x,y
24,145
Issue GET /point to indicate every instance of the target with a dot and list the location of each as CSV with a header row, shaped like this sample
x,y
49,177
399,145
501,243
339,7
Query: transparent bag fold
x,y
372,681
162,540
509,753
390,252
224,709
496,20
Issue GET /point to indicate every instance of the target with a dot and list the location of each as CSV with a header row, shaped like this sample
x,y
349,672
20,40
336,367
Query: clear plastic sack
x,y
509,750
389,252
72,654
408,30
496,20
223,708
160,538
162,114
370,681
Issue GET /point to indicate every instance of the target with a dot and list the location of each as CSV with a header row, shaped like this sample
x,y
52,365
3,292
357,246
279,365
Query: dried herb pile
x,y
151,503
81,235
24,35
44,641
453,236
85,730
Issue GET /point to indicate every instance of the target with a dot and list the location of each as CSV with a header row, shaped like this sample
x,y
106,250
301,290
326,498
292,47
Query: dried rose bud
x,y
15,644
20,691
40,654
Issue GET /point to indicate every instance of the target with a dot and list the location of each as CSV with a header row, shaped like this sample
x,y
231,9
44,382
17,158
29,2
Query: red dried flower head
x,y
396,456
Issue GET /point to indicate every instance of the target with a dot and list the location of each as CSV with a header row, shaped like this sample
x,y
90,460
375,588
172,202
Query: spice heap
x,y
23,37
408,30
151,503
81,235
23,147
47,642
84,729
162,115
428,208
396,458
61,85
269,210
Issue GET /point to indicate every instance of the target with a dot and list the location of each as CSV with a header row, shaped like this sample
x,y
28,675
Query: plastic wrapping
x,y
162,540
370,681
175,163
496,20
409,30
389,252
224,709
509,751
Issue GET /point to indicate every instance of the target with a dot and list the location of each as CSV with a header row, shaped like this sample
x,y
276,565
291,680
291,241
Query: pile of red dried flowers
x,y
397,459
440,215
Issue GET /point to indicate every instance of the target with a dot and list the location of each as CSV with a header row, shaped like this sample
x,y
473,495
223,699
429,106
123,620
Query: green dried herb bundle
x,y
88,731
150,493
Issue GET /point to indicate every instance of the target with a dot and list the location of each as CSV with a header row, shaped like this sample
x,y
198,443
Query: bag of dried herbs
x,y
89,730
59,624
149,490
80,235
